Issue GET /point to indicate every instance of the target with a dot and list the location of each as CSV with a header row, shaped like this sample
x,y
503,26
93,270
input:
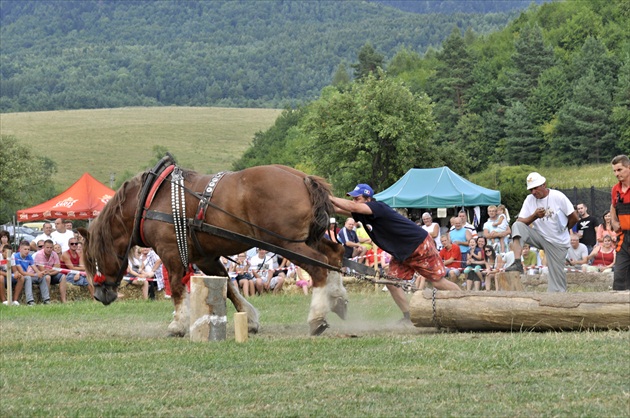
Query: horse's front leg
x,y
181,319
330,295
242,305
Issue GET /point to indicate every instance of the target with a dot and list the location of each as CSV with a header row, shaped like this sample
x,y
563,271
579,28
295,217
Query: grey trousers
x,y
28,287
554,253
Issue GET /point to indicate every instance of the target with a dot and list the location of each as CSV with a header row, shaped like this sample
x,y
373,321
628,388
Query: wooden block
x,y
510,281
240,327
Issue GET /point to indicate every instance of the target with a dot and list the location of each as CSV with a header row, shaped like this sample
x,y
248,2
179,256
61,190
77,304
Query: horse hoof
x,y
176,330
340,307
253,329
318,327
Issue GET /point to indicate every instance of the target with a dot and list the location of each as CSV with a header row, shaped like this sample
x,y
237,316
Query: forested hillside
x,y
104,53
552,88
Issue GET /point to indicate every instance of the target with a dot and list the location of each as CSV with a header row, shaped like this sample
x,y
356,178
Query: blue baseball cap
x,y
361,190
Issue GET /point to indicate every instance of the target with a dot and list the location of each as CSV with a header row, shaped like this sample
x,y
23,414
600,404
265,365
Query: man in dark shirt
x,y
411,247
586,227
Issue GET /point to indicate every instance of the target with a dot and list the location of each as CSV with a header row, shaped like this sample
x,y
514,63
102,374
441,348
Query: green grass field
x,y
85,359
103,141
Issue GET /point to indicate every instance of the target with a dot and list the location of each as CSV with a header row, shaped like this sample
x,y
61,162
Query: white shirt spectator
x,y
62,239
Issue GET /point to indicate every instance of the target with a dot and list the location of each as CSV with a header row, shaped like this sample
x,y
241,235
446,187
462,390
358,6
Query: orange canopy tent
x,y
85,199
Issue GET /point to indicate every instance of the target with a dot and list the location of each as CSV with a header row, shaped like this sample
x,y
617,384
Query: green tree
x,y
522,144
372,133
341,78
530,59
448,86
24,178
369,62
584,133
621,109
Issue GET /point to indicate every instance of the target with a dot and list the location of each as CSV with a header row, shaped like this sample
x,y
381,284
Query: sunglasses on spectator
x,y
73,243
40,246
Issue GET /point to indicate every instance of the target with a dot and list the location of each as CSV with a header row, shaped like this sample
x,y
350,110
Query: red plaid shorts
x,y
425,260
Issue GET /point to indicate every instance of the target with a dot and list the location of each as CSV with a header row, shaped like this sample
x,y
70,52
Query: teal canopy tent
x,y
436,188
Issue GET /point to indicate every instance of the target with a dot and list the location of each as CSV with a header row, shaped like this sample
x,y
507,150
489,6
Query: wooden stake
x,y
240,327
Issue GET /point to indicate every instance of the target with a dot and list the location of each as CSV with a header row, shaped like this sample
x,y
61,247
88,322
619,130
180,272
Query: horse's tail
x,y
320,192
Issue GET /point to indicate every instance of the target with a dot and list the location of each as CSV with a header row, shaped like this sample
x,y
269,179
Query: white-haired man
x,y
551,215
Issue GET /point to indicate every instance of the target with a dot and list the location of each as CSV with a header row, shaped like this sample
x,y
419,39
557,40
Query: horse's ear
x,y
84,233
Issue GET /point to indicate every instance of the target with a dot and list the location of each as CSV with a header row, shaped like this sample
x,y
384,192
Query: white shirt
x,y
44,237
577,254
429,229
553,226
62,239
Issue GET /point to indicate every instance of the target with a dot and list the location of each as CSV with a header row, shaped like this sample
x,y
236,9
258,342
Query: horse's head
x,y
106,243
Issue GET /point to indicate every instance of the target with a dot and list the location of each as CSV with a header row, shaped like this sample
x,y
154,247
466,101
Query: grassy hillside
x,y
207,139
103,141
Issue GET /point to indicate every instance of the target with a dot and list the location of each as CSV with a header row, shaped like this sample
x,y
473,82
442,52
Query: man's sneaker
x,y
15,303
47,302
6,302
517,266
31,303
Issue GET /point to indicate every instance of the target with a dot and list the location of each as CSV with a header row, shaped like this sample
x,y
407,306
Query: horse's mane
x,y
320,193
101,242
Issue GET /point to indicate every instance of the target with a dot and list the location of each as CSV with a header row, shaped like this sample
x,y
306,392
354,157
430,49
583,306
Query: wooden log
x,y
241,333
521,311
510,281
208,320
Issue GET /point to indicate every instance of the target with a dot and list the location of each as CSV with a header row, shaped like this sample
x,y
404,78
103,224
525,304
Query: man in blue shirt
x,y
24,266
411,247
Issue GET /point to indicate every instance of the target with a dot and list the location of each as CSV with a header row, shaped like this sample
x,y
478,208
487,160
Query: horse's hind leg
x,y
242,305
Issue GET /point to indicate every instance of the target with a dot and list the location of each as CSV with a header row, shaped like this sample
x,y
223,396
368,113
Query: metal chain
x,y
390,280
435,321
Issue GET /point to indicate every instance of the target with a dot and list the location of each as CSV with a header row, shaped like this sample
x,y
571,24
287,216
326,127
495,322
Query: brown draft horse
x,y
295,207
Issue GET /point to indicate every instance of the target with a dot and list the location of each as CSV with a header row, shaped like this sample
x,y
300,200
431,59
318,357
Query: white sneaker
x,y
15,303
6,302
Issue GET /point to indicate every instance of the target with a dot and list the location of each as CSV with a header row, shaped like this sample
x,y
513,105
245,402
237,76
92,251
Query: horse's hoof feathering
x,y
340,307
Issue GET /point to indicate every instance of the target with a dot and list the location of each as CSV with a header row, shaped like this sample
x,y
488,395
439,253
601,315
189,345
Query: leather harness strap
x,y
234,236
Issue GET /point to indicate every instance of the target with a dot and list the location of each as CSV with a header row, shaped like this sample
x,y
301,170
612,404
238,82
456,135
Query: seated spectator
x,y
465,224
262,267
605,228
603,256
577,256
304,280
17,283
494,263
73,267
244,279
364,239
24,266
452,257
475,263
5,238
460,236
47,230
332,231
137,273
61,235
153,266
529,259
48,261
432,229
348,238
